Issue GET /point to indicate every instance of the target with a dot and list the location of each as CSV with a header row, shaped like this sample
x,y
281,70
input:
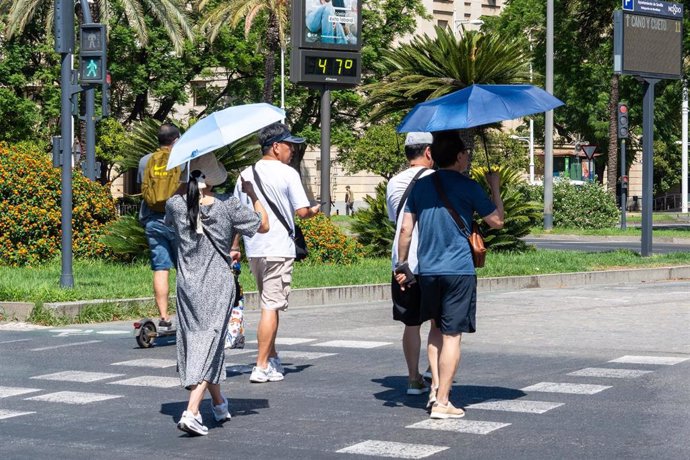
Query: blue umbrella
x,y
222,128
478,105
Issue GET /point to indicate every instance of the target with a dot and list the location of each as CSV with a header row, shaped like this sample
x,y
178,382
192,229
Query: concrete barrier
x,y
343,295
15,311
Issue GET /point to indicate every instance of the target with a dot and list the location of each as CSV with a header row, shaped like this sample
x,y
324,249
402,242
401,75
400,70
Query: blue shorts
x,y
451,301
162,243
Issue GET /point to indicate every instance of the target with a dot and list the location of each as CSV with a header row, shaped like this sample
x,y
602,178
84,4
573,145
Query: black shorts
x,y
451,301
406,303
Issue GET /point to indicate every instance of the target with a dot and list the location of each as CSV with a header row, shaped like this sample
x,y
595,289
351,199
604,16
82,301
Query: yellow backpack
x,y
159,183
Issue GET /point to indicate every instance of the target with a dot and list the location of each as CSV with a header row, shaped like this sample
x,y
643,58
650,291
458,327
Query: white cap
x,y
418,138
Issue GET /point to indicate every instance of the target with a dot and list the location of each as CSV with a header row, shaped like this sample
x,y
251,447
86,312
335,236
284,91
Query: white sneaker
x,y
260,375
221,412
277,364
191,424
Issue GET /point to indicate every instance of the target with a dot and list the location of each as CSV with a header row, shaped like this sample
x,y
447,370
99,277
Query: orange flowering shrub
x,y
327,243
31,210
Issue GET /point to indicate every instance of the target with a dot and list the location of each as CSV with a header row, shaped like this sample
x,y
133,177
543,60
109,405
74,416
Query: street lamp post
x,y
530,141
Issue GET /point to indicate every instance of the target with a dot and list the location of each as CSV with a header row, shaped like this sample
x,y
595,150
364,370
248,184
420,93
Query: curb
x,y
346,295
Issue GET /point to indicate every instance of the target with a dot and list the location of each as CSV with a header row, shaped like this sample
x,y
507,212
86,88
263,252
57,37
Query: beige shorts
x,y
273,278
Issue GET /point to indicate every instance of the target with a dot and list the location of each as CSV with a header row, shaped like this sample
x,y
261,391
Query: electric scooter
x,y
147,330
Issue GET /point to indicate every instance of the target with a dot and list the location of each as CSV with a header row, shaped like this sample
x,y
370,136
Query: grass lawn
x,y
636,232
101,280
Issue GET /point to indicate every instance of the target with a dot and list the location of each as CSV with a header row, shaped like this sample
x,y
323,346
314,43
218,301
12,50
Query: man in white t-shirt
x,y
406,304
271,255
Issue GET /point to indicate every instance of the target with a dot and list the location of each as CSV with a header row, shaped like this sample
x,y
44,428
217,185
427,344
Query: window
x,y
443,24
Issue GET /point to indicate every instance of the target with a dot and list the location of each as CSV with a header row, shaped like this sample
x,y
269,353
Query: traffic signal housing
x,y
623,131
92,54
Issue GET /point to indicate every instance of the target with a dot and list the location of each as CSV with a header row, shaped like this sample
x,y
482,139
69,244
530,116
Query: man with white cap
x,y
271,255
406,303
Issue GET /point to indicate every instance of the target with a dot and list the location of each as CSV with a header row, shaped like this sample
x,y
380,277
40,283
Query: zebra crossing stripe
x,y
77,376
12,413
568,388
516,405
392,449
609,373
6,392
72,397
74,344
149,381
303,355
351,344
148,362
459,426
661,360
288,341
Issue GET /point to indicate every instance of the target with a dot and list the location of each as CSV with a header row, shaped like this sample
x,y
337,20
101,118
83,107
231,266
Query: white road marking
x,y
6,392
459,426
114,332
73,397
303,355
77,376
239,351
392,449
66,345
609,373
71,332
17,340
569,388
516,405
351,344
149,381
148,362
662,360
287,341
12,413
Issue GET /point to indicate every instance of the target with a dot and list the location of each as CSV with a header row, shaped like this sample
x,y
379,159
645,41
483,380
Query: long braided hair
x,y
193,194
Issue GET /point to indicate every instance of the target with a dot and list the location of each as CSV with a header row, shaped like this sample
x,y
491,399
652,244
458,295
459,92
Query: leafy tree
x,y
19,117
380,151
235,11
429,67
371,225
169,13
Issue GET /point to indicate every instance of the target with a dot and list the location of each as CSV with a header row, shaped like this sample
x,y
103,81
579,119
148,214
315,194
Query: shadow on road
x,y
473,394
463,395
238,408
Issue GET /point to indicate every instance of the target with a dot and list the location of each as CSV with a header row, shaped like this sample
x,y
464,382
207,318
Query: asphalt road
x,y
570,244
589,372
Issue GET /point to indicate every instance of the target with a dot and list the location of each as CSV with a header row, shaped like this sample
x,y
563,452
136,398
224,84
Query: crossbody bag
x,y
297,236
474,237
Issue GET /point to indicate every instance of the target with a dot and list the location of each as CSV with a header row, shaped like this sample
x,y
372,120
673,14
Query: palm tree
x,y
427,68
234,11
170,13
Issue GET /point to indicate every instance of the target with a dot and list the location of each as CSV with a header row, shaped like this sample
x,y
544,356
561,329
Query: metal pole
x,y
548,123
66,276
647,164
326,151
624,187
282,78
531,120
90,116
684,141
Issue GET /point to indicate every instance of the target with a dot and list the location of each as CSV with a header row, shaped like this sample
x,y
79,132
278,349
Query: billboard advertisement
x,y
330,24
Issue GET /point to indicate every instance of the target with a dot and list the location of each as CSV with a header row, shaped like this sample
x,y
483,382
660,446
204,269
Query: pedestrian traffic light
x,y
92,54
622,112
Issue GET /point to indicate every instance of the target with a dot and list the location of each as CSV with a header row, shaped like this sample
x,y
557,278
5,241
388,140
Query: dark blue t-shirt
x,y
443,249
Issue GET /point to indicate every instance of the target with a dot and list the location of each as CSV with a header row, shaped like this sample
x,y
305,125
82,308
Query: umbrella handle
x,y
486,151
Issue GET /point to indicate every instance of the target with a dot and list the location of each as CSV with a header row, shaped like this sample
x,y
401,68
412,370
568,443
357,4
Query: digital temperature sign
x,y
329,67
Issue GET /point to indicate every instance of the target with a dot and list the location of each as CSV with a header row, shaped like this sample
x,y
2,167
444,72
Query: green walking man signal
x,y
92,54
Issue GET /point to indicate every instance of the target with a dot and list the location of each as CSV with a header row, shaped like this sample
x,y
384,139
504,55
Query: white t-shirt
x,y
394,193
284,188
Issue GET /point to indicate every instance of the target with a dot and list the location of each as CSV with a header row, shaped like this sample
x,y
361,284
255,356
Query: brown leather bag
x,y
475,237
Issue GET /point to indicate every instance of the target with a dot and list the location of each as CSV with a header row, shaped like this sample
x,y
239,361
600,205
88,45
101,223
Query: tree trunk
x,y
164,109
272,45
612,164
139,108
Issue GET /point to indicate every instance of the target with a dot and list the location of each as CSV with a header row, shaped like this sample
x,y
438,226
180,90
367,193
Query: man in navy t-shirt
x,y
447,278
